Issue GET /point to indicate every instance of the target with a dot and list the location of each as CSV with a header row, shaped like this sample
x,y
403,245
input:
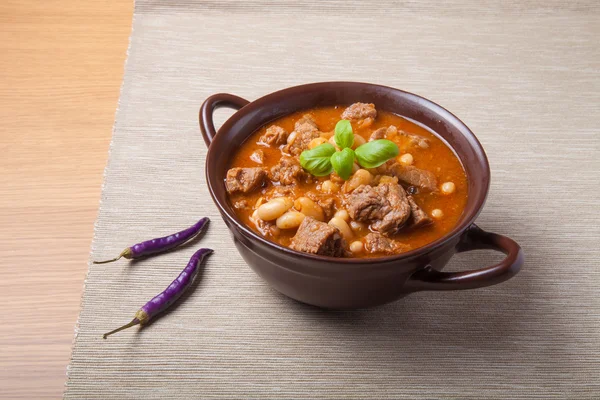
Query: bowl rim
x,y
267,99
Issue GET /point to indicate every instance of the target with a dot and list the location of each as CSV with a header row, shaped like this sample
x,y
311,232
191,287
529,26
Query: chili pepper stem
x,y
133,322
125,253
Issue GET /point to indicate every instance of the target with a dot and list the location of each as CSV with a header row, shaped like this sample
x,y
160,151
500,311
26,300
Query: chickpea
x,y
448,187
316,142
437,213
330,187
406,159
360,177
342,226
274,208
290,220
357,226
358,140
327,135
343,214
355,167
357,247
309,208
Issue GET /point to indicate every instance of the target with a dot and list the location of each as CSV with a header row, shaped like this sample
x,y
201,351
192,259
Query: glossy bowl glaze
x,y
355,283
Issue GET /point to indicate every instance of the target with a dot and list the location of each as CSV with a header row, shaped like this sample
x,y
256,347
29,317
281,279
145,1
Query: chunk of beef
x,y
244,179
376,243
326,201
410,175
266,228
328,206
307,122
365,204
415,140
282,191
418,217
411,138
395,196
258,156
305,130
289,171
274,136
360,111
384,206
378,134
317,237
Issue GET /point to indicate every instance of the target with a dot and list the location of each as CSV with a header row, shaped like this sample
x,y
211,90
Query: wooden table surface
x,y
60,73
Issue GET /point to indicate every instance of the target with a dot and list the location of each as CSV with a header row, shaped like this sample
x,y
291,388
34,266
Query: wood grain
x,y
60,73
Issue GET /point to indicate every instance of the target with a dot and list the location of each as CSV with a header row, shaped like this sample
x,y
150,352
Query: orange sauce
x,y
438,158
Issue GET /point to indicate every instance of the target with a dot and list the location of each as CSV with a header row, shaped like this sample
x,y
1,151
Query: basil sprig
x,y
316,161
342,162
344,137
373,154
323,159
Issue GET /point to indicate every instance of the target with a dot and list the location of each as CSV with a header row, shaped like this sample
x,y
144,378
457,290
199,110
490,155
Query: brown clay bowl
x,y
355,283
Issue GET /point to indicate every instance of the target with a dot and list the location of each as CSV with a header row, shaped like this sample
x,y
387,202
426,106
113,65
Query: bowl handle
x,y
474,238
205,116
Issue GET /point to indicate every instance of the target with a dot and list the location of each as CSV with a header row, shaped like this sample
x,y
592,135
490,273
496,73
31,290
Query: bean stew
x,y
347,182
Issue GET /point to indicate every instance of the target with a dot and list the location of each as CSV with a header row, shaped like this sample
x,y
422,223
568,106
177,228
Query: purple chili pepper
x,y
160,245
168,296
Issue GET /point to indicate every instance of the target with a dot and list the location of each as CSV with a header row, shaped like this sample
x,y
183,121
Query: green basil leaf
x,y
342,162
343,134
373,154
316,161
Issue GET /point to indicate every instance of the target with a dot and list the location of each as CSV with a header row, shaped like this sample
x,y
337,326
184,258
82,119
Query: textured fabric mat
x,y
524,76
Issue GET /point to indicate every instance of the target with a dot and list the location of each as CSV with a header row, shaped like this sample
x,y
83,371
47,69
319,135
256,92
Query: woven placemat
x,y
525,78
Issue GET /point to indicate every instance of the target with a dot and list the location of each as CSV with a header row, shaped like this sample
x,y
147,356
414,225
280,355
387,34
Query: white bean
x,y
290,220
285,200
342,226
292,137
329,187
274,208
357,226
357,247
448,187
309,208
406,159
343,214
360,177
437,213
